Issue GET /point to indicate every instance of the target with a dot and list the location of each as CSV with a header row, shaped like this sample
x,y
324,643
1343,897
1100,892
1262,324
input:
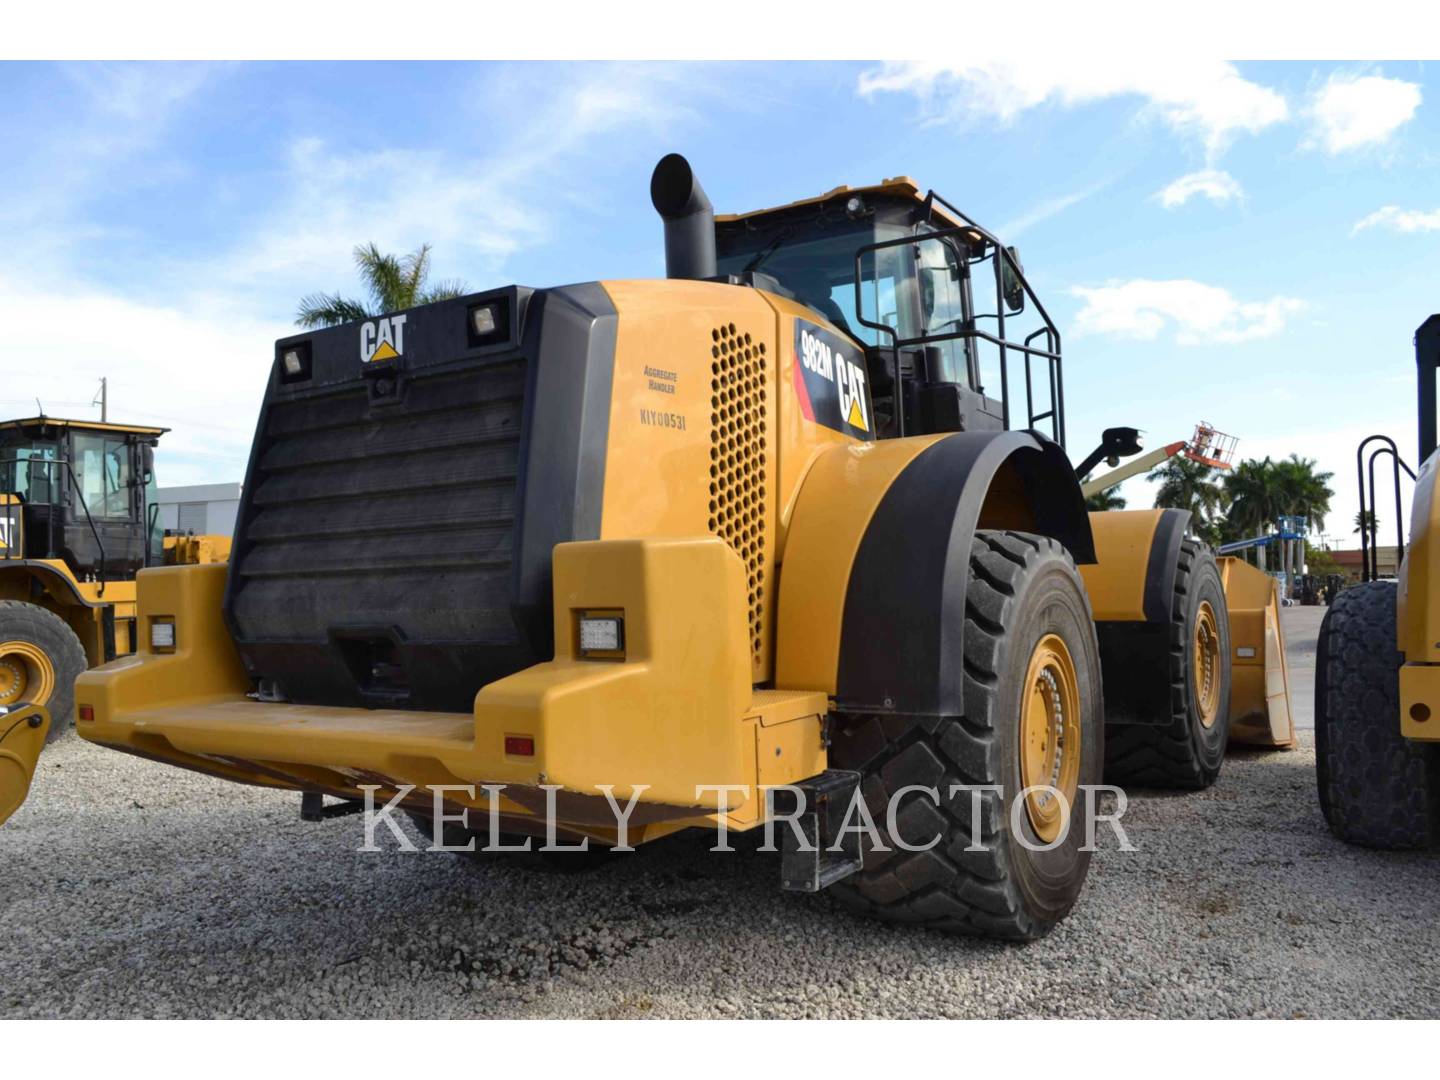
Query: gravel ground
x,y
131,889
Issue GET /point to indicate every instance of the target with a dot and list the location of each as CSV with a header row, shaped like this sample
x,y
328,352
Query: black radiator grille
x,y
383,534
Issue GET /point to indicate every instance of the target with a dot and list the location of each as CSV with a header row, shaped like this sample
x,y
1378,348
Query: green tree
x,y
1109,499
1256,497
1366,520
1303,490
1187,485
1320,562
393,283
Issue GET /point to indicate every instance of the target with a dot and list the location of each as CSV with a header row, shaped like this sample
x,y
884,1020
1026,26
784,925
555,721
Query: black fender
x,y
909,577
1160,567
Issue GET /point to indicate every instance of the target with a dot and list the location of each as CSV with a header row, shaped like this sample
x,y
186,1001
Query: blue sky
x,y
1247,244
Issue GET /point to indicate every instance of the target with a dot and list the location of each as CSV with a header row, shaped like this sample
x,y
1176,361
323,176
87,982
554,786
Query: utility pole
x,y
102,399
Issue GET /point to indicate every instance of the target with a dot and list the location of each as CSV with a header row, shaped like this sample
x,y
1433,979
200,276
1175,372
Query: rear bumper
x,y
672,724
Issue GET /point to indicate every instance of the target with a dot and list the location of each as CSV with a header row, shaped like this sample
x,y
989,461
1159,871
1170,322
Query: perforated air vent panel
x,y
739,467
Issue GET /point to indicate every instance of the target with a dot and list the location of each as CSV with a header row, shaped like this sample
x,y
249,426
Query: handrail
x,y
1369,538
970,332
99,544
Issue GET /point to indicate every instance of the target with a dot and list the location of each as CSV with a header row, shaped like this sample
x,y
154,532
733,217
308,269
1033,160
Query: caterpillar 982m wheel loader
x,y
799,514
1377,664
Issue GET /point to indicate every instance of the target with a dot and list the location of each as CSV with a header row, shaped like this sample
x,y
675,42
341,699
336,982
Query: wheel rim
x,y
26,674
1050,737
1206,674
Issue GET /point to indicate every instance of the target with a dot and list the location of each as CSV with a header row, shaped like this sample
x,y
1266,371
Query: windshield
x,y
815,260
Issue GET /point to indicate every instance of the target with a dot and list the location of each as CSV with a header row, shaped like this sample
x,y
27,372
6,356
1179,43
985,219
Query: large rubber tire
x,y
1182,752
50,634
1377,788
1021,588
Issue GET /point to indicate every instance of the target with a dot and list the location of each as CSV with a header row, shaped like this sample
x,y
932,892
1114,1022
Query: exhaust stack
x,y
689,219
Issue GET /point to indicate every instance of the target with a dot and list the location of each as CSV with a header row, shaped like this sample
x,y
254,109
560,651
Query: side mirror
x,y
147,463
1010,283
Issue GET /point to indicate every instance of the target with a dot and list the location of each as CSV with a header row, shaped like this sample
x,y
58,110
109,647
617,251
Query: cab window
x,y
102,471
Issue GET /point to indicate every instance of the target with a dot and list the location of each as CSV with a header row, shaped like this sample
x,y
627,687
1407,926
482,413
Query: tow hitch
x,y
811,857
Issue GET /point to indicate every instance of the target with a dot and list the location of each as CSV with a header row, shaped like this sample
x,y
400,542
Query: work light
x,y
295,362
488,322
162,635
601,634
483,321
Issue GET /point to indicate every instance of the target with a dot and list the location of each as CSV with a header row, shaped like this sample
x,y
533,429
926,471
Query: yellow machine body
x,y
1125,585
1418,613
731,526
52,585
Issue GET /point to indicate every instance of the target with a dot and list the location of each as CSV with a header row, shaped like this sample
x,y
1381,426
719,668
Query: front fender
x,y
876,563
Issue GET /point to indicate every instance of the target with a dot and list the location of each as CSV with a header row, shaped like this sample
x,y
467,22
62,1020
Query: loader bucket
x,y
22,737
1259,672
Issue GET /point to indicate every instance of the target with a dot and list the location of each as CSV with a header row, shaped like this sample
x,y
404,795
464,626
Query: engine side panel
x,y
715,418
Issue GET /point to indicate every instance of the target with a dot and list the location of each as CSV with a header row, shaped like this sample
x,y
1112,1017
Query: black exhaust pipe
x,y
689,219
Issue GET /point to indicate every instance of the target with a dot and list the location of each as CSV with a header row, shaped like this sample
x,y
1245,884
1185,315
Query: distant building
x,y
1349,562
200,508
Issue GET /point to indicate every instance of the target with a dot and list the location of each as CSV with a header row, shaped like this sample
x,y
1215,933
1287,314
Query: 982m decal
x,y
830,382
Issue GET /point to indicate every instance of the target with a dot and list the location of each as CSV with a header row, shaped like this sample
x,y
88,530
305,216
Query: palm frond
x,y
326,309
443,290
416,268
384,277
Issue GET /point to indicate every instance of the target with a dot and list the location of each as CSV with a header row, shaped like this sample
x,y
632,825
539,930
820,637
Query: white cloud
x,y
139,92
1199,314
1400,221
201,372
475,209
1214,184
1046,210
1210,100
197,359
1352,111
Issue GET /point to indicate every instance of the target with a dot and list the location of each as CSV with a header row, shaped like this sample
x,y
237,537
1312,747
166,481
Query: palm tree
x,y
1367,521
1186,485
1109,499
393,284
1303,491
1256,499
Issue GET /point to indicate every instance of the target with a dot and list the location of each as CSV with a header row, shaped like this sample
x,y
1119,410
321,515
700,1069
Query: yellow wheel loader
x,y
606,561
78,520
1377,665
1194,653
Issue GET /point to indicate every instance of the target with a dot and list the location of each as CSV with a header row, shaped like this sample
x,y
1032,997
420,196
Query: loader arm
x,y
1143,463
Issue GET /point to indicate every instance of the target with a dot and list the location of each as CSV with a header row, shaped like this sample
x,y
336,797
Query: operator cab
x,y
82,492
934,299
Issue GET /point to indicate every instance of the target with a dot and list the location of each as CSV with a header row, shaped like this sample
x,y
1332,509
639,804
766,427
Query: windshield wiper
x,y
769,249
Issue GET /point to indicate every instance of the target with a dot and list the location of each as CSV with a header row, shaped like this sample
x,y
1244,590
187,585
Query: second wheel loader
x,y
797,518
1377,664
